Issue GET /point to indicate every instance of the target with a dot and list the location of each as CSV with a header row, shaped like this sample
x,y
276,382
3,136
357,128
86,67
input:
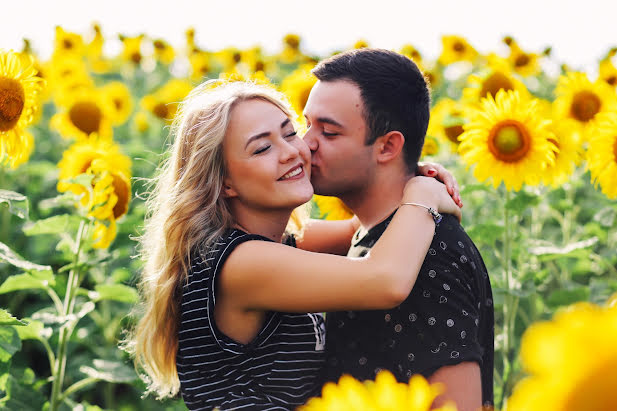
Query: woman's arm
x,y
261,275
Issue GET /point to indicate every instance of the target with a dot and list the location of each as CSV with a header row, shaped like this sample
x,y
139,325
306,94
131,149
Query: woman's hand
x,y
440,173
431,193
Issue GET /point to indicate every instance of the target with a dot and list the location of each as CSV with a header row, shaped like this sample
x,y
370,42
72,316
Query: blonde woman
x,y
227,309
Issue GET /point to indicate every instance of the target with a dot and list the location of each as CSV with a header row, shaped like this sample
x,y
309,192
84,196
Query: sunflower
x,y
19,88
572,362
581,100
430,147
331,208
163,51
385,393
191,47
507,141
411,52
569,153
291,49
297,86
608,72
602,154
107,196
94,52
84,113
68,43
495,76
201,65
456,48
131,51
119,100
141,121
446,121
523,63
65,75
360,44
163,103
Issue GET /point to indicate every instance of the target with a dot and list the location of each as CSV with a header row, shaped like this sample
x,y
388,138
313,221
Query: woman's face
x,y
268,165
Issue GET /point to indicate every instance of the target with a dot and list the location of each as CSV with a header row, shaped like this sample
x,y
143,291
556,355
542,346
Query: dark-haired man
x,y
367,118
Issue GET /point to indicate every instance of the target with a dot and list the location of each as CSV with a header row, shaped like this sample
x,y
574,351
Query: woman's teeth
x,y
292,173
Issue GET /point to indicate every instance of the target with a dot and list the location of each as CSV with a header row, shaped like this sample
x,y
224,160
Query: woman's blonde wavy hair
x,y
186,211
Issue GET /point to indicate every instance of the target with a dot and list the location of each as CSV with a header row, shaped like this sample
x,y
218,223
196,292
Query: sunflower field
x,y
532,142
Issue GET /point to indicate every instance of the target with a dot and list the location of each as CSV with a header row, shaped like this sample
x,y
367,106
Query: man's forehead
x,y
332,97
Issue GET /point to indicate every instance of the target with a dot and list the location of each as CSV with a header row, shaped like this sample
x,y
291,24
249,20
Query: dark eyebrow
x,y
330,121
264,134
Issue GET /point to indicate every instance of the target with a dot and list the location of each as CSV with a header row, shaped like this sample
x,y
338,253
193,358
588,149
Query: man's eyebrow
x,y
264,134
328,120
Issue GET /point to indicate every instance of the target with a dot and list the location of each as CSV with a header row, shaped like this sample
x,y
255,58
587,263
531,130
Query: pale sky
x,y
580,32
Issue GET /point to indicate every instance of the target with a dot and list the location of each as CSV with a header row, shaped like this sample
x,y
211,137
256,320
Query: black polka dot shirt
x,y
447,318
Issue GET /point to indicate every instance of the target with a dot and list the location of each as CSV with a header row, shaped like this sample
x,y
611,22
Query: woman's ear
x,y
389,146
227,190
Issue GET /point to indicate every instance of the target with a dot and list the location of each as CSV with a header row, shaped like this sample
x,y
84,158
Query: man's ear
x,y
227,191
389,146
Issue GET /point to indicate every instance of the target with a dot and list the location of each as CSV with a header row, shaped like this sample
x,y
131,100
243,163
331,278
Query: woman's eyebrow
x,y
264,134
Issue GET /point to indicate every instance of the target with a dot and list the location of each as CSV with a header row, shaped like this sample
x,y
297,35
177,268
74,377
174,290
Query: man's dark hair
x,y
394,92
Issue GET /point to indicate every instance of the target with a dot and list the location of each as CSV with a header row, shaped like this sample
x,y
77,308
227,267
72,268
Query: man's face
x,y
341,162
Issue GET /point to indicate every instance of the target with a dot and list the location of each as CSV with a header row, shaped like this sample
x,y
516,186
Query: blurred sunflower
x,y
68,43
411,52
523,63
385,393
331,208
141,121
19,88
581,100
119,101
297,86
602,154
291,49
131,48
495,76
94,52
446,121
507,141
360,44
163,51
65,76
191,47
430,147
108,195
227,58
84,113
572,362
201,65
608,72
163,103
456,48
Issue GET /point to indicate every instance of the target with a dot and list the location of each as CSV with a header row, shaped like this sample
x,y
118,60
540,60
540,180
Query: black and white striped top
x,y
278,370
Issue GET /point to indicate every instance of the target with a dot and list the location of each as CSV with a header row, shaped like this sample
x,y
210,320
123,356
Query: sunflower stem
x,y
66,330
508,305
4,211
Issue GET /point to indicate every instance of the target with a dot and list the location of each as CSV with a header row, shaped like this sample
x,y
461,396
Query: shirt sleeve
x,y
447,317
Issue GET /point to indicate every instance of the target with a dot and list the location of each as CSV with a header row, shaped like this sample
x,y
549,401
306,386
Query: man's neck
x,y
377,201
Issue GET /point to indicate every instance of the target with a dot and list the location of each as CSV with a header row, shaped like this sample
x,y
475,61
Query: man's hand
x,y
440,173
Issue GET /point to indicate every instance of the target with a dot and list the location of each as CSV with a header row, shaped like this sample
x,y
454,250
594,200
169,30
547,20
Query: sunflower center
x,y
495,82
136,57
453,132
509,141
86,116
118,104
521,60
259,66
615,149
161,110
585,105
158,44
237,57
68,44
458,47
612,80
12,98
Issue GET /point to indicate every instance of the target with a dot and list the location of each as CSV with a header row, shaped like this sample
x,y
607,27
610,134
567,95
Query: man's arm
x,y
462,384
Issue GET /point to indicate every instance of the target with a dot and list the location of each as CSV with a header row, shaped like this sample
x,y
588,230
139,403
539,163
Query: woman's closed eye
x,y
262,149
